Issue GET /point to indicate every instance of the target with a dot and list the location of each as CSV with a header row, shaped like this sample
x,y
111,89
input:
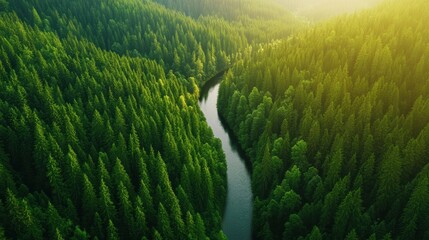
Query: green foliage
x,y
4,4
21,217
190,47
299,151
344,107
82,143
259,20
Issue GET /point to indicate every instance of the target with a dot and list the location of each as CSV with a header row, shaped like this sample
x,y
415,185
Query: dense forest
x,y
336,123
94,144
190,47
259,20
101,136
138,28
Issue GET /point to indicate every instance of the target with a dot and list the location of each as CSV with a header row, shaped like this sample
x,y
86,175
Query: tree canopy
x,y
346,105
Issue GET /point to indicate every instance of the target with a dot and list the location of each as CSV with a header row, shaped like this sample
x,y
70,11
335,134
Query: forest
x,y
95,144
190,47
335,121
102,137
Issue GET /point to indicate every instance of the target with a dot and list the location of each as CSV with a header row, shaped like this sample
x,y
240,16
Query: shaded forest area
x,y
101,136
336,123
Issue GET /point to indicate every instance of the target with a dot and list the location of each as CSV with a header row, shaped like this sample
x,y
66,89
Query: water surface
x,y
237,220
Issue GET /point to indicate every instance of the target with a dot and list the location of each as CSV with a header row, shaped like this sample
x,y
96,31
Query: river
x,y
237,219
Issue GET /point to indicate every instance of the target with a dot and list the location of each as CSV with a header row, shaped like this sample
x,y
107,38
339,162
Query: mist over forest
x,y
323,9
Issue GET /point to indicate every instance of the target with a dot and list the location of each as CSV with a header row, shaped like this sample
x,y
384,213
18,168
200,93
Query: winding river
x,y
237,220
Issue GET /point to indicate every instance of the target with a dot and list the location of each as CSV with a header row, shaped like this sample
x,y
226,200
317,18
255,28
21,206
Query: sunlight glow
x,y
322,9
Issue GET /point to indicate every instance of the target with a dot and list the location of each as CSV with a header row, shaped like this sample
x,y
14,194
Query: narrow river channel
x,y
237,220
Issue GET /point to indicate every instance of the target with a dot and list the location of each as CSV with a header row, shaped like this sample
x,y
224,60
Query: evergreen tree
x,y
389,179
21,217
56,181
89,202
349,214
163,223
112,233
106,207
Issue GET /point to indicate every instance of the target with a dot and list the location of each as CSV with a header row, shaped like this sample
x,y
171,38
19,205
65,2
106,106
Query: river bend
x,y
237,219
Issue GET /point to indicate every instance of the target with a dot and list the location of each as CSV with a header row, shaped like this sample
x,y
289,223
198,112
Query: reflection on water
x,y
237,220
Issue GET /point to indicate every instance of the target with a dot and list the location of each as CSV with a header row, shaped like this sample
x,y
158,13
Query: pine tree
x,y
171,153
41,152
157,235
56,181
89,202
58,235
190,226
352,235
56,223
106,206
163,223
293,227
120,175
263,174
21,217
98,131
299,151
140,223
417,210
73,175
315,234
125,209
112,233
97,228
388,179
293,178
349,215
200,229
70,134
332,201
147,202
334,169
